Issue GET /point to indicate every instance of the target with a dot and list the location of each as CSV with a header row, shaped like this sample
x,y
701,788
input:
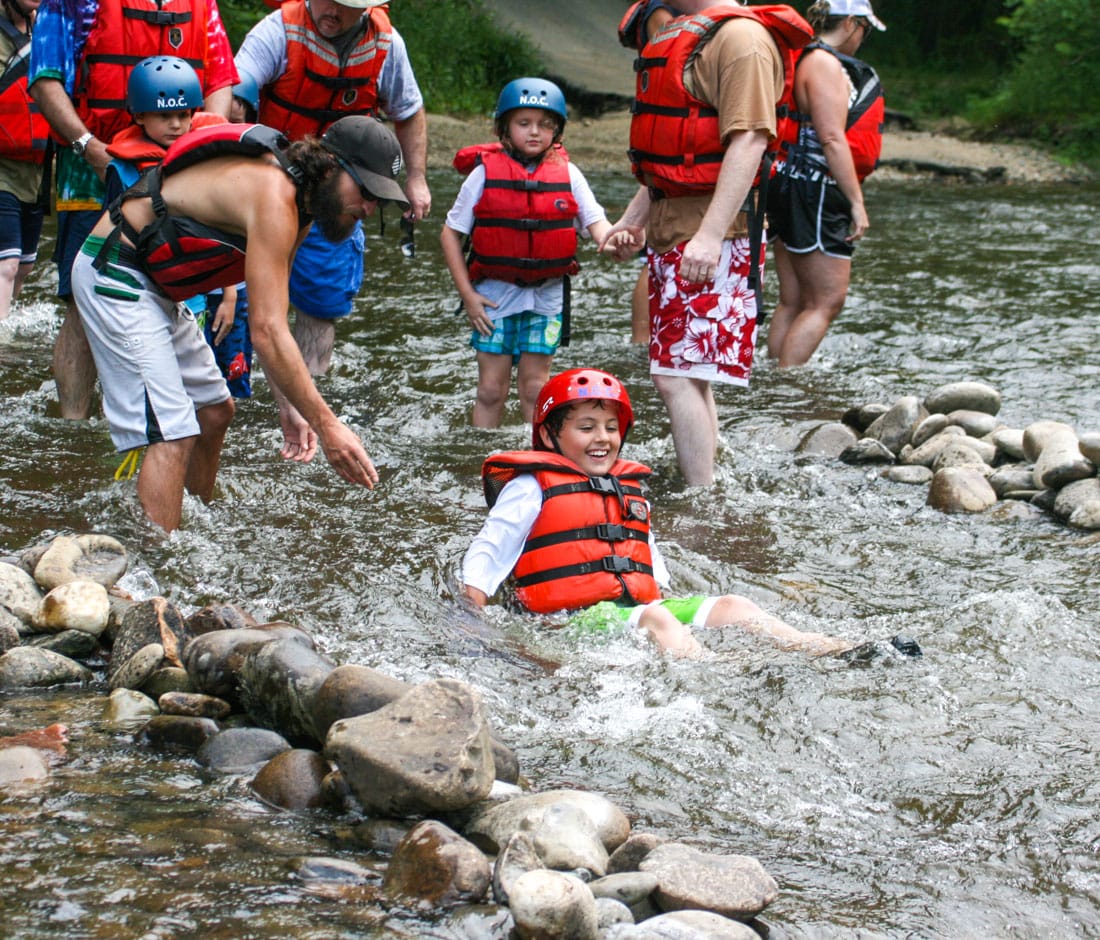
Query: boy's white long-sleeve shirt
x,y
494,551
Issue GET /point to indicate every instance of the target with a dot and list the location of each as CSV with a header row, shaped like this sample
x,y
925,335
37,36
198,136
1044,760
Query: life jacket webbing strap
x,y
533,265
603,532
337,82
156,17
529,186
615,564
527,225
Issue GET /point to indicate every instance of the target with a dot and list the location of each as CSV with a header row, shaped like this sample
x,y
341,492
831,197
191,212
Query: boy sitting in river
x,y
569,523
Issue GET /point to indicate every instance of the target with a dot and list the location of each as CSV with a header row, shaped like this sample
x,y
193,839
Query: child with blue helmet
x,y
520,207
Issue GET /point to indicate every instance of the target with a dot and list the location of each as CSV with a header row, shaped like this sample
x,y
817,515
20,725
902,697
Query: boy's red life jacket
x,y
590,542
318,88
524,222
799,147
182,256
132,145
125,32
675,145
24,132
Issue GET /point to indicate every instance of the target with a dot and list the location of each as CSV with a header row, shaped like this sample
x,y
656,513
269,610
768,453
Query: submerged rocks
x,y
734,886
28,667
97,558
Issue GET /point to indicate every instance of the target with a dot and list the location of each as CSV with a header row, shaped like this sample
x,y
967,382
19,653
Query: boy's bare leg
x,y
532,375
733,609
494,380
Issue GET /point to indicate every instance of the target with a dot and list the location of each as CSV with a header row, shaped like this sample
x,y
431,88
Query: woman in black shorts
x,y
815,203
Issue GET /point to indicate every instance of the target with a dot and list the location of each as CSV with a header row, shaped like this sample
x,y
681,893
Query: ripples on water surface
x,y
952,796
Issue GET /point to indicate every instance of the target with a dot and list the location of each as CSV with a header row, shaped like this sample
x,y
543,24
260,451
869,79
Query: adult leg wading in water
x,y
812,290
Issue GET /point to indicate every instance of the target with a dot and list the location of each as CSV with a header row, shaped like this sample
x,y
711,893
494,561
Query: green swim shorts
x,y
612,617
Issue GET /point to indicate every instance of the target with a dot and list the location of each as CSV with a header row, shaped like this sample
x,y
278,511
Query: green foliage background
x,y
1025,68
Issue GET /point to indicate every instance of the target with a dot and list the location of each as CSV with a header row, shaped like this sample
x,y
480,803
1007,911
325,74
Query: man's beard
x,y
327,207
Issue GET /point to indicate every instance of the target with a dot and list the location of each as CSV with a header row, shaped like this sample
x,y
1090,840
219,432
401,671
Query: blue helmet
x,y
247,90
530,93
163,83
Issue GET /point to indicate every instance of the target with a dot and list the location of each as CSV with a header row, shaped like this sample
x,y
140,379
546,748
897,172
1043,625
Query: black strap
x,y
157,17
756,237
527,225
566,310
604,532
615,564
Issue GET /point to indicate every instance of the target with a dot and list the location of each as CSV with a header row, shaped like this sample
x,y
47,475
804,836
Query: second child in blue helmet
x,y
163,95
521,205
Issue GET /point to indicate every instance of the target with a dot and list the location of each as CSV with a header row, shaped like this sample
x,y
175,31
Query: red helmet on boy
x,y
580,385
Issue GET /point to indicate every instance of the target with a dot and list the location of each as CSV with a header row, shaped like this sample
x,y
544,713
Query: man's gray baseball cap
x,y
370,153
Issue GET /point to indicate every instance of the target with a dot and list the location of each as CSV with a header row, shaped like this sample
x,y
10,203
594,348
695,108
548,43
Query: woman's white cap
x,y
855,8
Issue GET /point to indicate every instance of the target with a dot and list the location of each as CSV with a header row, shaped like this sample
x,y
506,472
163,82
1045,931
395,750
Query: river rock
x,y
1010,478
1060,460
960,489
194,704
167,679
428,752
895,428
566,839
138,668
610,912
219,617
279,682
1086,516
630,888
961,452
685,925
241,750
861,417
75,605
293,780
975,423
435,867
964,396
907,474
827,440
128,709
550,905
927,429
1074,495
27,667
867,450
333,870
98,558
516,858
1009,441
349,691
380,836
1041,434
76,644
734,886
928,451
629,855
494,827
177,732
151,621
9,630
214,660
21,764
1089,445
19,593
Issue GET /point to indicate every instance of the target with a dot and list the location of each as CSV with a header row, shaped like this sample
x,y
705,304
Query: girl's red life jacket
x,y
801,151
318,87
182,256
125,32
524,224
590,542
24,132
675,145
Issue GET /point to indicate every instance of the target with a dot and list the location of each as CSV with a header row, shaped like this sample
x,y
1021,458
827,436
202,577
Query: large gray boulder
x,y
426,753
214,660
279,682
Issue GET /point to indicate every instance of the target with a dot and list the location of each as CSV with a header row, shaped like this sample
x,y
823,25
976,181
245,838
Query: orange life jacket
x,y
24,132
524,222
590,542
800,151
133,146
125,32
675,145
319,85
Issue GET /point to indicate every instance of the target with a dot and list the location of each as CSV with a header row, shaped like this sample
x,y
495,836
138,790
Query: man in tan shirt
x,y
702,309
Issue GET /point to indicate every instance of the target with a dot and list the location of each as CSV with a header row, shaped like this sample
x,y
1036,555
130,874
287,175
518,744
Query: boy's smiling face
x,y
589,436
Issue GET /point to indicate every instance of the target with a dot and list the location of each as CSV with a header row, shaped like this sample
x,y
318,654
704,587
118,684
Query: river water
x,y
951,796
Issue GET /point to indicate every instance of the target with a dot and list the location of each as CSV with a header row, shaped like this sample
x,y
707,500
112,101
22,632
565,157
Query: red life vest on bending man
x,y
24,132
590,542
319,85
800,151
182,256
524,223
675,145
125,32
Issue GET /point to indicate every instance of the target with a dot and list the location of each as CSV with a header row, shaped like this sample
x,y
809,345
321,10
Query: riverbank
x,y
598,144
